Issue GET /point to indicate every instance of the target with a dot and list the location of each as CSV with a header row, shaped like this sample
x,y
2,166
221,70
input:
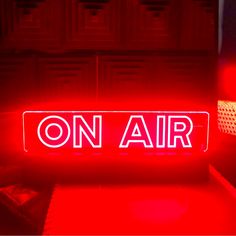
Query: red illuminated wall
x,y
49,25
106,49
109,54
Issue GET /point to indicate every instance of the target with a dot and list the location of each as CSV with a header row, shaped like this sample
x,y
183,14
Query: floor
x,y
208,208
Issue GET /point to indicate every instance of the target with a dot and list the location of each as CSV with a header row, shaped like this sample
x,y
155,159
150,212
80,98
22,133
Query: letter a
x,y
136,132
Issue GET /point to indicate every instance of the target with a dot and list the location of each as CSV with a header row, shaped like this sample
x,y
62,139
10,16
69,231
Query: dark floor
x,y
23,209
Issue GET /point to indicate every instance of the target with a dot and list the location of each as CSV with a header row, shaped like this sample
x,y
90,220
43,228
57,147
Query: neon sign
x,y
79,131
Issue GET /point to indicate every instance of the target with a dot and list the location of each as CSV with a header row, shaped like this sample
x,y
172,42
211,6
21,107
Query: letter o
x,y
53,142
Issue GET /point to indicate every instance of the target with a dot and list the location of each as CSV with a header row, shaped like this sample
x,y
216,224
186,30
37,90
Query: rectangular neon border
x,y
154,112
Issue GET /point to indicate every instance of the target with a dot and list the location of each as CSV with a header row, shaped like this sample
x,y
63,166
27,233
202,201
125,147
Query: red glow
x,y
112,131
11,133
203,209
228,82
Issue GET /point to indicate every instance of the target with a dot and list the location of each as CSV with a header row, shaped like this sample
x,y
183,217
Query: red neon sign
x,y
115,131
